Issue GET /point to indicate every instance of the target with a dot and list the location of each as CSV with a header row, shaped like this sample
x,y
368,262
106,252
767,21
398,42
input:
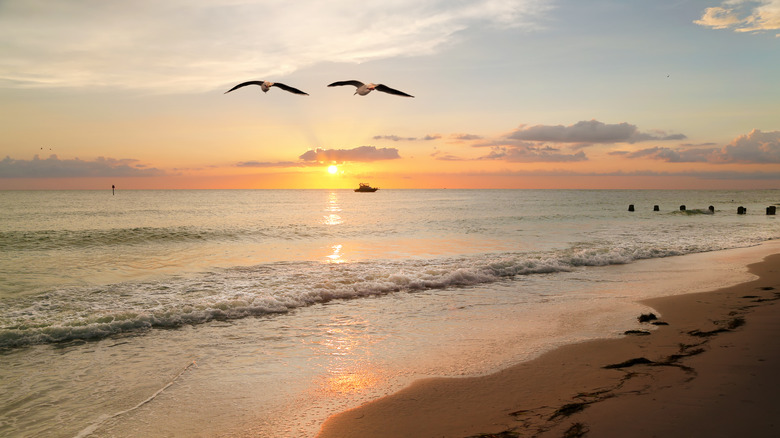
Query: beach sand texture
x,y
708,366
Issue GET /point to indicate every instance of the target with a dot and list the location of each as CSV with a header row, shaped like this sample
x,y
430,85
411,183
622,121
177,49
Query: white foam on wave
x,y
98,312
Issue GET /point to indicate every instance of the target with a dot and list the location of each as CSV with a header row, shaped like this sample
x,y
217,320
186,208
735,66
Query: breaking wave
x,y
97,312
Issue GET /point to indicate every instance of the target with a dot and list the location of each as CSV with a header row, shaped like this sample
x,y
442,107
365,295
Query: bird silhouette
x,y
266,85
363,89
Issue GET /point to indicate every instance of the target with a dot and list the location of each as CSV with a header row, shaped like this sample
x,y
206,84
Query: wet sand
x,y
708,366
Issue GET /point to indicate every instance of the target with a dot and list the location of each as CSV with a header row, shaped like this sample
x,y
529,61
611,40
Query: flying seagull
x,y
266,85
363,89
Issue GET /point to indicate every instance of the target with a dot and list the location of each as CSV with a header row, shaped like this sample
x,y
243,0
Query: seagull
x,y
363,89
266,85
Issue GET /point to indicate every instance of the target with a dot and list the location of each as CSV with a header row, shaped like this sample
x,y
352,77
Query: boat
x,y
363,187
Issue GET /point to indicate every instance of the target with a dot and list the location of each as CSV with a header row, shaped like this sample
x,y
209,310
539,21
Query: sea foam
x,y
92,313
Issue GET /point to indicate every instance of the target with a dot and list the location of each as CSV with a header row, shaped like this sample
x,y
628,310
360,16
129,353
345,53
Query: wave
x,y
94,313
63,239
42,240
694,212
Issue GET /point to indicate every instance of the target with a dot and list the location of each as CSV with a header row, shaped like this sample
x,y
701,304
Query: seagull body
x,y
266,85
363,89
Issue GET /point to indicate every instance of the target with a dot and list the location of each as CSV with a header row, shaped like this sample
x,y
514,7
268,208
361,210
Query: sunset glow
x,y
507,94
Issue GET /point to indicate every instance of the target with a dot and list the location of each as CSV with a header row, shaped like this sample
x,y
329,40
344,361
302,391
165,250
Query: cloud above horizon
x,y
549,143
362,154
272,164
756,147
588,132
531,154
211,42
743,16
714,175
54,167
318,157
393,137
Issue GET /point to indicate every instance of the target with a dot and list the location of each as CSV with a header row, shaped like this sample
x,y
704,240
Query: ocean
x,y
261,312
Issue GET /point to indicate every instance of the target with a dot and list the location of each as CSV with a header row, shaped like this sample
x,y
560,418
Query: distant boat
x,y
366,188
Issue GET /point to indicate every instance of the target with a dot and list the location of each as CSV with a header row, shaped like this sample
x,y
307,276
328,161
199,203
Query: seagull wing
x,y
289,88
386,89
244,84
355,83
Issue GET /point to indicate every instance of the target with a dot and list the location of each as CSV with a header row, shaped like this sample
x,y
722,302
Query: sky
x,y
536,94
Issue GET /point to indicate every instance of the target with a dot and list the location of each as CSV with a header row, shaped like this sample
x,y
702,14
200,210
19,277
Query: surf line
x,y
89,430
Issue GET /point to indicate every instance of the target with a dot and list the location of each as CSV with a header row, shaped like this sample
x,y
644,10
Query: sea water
x,y
260,313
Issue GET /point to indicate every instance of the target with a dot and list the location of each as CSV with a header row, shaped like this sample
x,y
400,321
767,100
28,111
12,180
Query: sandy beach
x,y
705,367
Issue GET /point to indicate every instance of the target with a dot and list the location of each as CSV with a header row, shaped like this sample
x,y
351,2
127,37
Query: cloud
x,y
708,175
528,154
588,132
466,137
754,148
195,45
678,155
428,137
268,164
53,167
359,154
441,156
318,156
743,16
394,138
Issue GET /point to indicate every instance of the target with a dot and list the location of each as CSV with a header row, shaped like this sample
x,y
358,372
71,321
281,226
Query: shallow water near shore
x,y
262,312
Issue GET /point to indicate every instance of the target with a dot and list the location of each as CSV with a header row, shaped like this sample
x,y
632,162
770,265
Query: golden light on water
x,y
333,218
349,370
335,256
351,382
332,207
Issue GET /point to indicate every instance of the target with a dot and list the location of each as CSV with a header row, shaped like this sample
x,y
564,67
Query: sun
x,y
332,169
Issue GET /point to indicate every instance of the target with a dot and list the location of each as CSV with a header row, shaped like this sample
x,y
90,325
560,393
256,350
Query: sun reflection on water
x,y
333,207
348,369
335,256
351,382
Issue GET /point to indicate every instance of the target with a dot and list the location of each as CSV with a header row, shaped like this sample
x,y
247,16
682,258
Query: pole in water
x,y
112,189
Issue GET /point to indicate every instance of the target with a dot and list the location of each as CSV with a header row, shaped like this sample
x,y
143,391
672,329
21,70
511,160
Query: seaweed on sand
x,y
568,409
647,317
577,430
504,434
630,363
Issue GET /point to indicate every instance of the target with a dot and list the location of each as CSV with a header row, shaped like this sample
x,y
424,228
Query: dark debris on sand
x,y
630,363
577,430
637,332
569,409
504,434
647,317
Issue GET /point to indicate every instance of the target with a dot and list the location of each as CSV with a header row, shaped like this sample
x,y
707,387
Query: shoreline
x,y
710,371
